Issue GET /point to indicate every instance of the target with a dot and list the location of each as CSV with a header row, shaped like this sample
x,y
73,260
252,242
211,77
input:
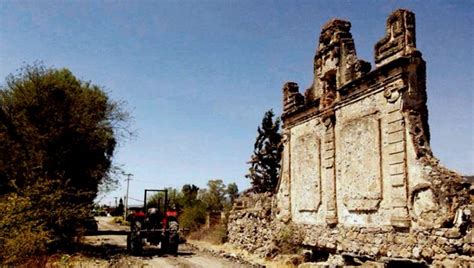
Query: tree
x,y
194,216
188,195
193,210
157,199
58,135
265,161
120,208
232,191
214,196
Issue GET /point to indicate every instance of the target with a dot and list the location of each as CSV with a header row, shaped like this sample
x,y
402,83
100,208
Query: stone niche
x,y
306,172
358,175
359,162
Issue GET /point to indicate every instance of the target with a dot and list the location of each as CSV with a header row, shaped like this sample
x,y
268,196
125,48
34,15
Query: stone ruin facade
x,y
358,175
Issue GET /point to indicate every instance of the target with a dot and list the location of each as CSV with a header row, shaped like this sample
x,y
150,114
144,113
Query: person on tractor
x,y
154,217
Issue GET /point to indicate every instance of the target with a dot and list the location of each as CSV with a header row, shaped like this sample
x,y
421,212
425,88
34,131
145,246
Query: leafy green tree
x,y
214,195
194,216
192,211
157,200
60,132
189,194
232,191
174,196
265,161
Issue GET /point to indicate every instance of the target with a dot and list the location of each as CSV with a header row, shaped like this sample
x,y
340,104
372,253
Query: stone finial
x,y
400,37
335,63
292,99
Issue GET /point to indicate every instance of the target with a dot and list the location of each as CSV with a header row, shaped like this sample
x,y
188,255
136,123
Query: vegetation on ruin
x,y
265,160
58,137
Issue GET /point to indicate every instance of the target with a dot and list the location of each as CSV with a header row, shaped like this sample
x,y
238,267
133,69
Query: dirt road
x,y
110,251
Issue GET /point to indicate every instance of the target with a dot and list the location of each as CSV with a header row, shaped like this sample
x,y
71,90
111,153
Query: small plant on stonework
x,y
288,239
65,259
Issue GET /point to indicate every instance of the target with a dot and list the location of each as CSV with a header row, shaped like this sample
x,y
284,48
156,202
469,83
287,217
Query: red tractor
x,y
155,224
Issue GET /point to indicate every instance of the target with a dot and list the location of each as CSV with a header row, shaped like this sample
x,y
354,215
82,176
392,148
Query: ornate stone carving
x,y
391,95
335,63
399,40
292,99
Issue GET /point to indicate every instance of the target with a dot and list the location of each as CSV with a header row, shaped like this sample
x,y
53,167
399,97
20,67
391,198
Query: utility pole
x,y
126,196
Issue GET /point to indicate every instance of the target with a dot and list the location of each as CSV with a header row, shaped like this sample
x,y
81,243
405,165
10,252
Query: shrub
x,y
36,220
20,237
57,138
288,239
193,217
217,234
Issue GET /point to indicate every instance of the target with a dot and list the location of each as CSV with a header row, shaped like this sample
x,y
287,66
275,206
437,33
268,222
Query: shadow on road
x,y
107,251
103,251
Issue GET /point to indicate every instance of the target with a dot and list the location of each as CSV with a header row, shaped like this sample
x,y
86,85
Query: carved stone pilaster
x,y
329,169
284,184
396,149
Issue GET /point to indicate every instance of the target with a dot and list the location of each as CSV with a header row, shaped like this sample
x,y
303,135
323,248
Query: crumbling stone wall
x,y
358,174
250,223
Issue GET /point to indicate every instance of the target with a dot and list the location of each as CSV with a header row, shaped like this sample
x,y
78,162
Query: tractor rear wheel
x,y
173,239
135,245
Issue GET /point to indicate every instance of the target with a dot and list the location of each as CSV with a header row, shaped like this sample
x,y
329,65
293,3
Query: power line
x,y
134,199
142,180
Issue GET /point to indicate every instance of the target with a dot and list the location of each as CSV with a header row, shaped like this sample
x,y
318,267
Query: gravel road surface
x,y
110,251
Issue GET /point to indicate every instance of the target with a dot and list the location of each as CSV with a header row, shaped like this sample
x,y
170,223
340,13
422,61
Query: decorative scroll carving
x,y
392,91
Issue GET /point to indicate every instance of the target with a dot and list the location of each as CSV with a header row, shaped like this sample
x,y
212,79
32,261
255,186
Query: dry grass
x,y
216,235
120,220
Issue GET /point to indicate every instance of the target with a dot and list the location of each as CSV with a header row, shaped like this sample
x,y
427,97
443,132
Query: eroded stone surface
x,y
358,175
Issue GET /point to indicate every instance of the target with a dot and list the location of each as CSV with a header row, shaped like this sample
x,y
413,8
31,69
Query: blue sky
x,y
199,75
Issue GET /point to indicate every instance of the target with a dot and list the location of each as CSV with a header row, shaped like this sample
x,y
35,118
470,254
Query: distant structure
x,y
358,174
